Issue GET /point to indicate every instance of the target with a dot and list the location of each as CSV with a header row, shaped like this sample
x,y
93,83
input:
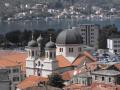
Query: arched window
x,y
50,54
103,78
32,53
110,79
70,50
61,49
38,63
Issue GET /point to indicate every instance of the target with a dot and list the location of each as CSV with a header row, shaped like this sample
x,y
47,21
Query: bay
x,y
44,24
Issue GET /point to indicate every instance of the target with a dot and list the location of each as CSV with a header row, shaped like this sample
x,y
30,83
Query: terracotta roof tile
x,y
62,61
79,60
76,87
12,58
102,86
87,54
67,75
31,81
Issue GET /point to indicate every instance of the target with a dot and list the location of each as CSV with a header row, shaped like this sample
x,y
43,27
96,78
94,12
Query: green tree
x,y
56,80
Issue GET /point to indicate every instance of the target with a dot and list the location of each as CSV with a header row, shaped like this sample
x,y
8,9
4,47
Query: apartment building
x,y
90,34
13,62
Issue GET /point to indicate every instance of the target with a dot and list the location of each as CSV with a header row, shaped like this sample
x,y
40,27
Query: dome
x,y
70,36
32,43
39,39
50,44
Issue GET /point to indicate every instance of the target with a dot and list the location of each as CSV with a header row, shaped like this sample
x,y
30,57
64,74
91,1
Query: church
x,y
60,56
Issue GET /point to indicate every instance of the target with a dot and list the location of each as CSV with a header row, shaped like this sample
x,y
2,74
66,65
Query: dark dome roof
x,y
32,43
70,36
39,39
50,44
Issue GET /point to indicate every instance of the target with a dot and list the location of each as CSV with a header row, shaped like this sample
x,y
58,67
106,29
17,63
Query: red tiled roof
x,y
102,86
31,81
87,54
76,87
67,75
62,61
12,58
79,60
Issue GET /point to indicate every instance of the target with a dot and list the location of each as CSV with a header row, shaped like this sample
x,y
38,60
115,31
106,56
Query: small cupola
x,y
32,43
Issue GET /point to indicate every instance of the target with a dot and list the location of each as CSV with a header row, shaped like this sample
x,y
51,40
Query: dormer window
x,y
70,50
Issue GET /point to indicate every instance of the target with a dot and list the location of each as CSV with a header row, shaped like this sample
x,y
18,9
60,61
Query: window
x,y
92,33
38,63
61,49
83,33
32,53
103,78
115,41
9,71
15,79
109,79
92,41
82,29
92,37
79,49
50,54
38,74
95,77
70,49
115,45
15,70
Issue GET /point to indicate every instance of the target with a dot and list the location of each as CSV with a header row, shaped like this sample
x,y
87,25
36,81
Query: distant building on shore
x,y
113,44
90,34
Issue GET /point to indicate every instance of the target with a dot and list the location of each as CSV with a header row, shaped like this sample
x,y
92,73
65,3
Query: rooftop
x,y
31,81
106,72
10,58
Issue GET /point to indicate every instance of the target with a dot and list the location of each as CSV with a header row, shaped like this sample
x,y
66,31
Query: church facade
x,y
59,57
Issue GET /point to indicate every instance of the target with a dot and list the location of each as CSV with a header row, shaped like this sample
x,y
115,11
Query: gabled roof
x,y
85,56
62,61
88,55
79,60
31,81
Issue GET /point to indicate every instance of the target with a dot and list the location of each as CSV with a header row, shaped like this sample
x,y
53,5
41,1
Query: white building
x,y
58,57
113,44
13,62
90,34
